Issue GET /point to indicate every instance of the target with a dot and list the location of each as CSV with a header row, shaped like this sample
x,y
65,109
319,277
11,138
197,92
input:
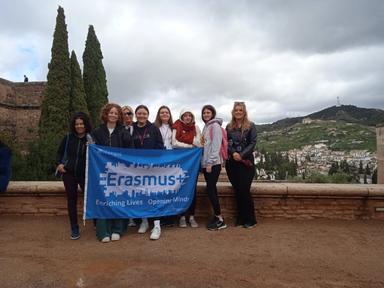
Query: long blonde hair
x,y
245,123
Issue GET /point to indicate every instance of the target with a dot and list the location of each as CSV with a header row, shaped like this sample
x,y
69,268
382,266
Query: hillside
x,y
345,113
337,135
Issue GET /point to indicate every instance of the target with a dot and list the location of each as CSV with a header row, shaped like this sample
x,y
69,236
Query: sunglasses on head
x,y
128,113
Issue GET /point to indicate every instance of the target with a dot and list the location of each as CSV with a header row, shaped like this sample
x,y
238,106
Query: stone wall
x,y
272,200
20,109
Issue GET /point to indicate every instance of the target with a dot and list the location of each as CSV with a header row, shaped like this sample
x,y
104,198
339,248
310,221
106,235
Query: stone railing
x,y
272,200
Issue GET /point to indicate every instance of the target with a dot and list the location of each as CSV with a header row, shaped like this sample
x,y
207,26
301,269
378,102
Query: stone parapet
x,y
272,200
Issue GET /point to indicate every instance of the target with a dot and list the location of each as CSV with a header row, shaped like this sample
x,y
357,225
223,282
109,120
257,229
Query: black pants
x,y
211,179
191,209
71,183
241,177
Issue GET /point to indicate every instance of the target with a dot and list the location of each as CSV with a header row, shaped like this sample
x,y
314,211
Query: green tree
x,y
367,170
344,166
374,177
54,108
95,82
334,168
54,117
77,96
361,170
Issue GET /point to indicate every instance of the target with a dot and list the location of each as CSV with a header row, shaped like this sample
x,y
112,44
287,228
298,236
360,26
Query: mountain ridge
x,y
344,113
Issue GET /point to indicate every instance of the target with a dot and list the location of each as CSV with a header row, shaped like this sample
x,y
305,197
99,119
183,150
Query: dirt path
x,y
36,252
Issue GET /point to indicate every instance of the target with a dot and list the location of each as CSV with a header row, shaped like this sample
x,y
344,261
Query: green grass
x,y
337,135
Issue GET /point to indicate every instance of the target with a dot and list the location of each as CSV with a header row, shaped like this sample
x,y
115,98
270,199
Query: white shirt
x,y
166,133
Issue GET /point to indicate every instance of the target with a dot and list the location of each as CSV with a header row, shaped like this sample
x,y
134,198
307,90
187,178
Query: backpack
x,y
224,143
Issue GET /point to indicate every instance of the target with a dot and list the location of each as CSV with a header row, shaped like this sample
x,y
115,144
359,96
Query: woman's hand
x,y
202,141
236,156
209,168
61,168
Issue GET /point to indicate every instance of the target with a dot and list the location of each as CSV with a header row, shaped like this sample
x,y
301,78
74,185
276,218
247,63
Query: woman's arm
x,y
251,142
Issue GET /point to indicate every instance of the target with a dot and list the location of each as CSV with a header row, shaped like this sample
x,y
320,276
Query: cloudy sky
x,y
284,58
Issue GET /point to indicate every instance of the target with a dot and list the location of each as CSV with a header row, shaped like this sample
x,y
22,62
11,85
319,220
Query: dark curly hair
x,y
83,116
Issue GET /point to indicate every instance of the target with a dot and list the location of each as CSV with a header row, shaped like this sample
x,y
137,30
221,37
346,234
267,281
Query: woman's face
x,y
142,116
128,117
164,115
187,118
207,115
113,115
238,112
79,126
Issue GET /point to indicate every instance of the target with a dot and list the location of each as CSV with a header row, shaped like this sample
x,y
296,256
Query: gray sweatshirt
x,y
212,135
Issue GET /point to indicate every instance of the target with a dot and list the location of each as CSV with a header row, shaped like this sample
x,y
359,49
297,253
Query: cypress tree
x,y
55,105
77,96
361,171
367,170
54,117
95,82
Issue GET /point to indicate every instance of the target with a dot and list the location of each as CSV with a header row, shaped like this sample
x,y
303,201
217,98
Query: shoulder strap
x,y
65,150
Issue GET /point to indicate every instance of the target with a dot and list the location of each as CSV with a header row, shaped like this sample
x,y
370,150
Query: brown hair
x,y
107,108
158,122
245,123
210,108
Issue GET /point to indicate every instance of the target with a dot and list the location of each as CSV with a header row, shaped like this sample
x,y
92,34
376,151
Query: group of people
x,y
119,130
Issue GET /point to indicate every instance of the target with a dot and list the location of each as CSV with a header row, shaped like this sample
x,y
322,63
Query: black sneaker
x,y
75,233
216,224
249,225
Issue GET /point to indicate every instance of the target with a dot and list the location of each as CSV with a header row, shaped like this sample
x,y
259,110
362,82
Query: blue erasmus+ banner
x,y
139,183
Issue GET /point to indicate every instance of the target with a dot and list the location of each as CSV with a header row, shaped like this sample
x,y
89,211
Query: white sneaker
x,y
193,222
115,237
182,222
106,239
155,233
143,226
131,223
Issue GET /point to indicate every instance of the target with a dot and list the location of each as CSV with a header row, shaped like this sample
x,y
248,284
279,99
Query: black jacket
x,y
243,143
147,137
74,161
5,166
120,137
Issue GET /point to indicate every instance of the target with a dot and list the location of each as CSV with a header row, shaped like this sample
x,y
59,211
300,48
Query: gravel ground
x,y
36,252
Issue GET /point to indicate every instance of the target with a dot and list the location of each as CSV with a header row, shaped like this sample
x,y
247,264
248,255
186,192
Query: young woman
x,y
187,135
164,122
212,162
111,133
147,136
70,158
240,166
128,118
128,124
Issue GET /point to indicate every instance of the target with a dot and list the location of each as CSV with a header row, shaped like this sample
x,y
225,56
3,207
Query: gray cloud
x,y
284,58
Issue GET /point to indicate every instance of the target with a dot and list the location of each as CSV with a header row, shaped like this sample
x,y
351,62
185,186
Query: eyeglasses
x,y
128,114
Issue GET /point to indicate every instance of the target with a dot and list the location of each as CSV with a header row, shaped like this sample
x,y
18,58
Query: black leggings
x,y
211,179
71,183
241,177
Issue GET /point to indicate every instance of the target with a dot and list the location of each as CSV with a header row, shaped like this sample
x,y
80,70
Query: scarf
x,y
184,132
